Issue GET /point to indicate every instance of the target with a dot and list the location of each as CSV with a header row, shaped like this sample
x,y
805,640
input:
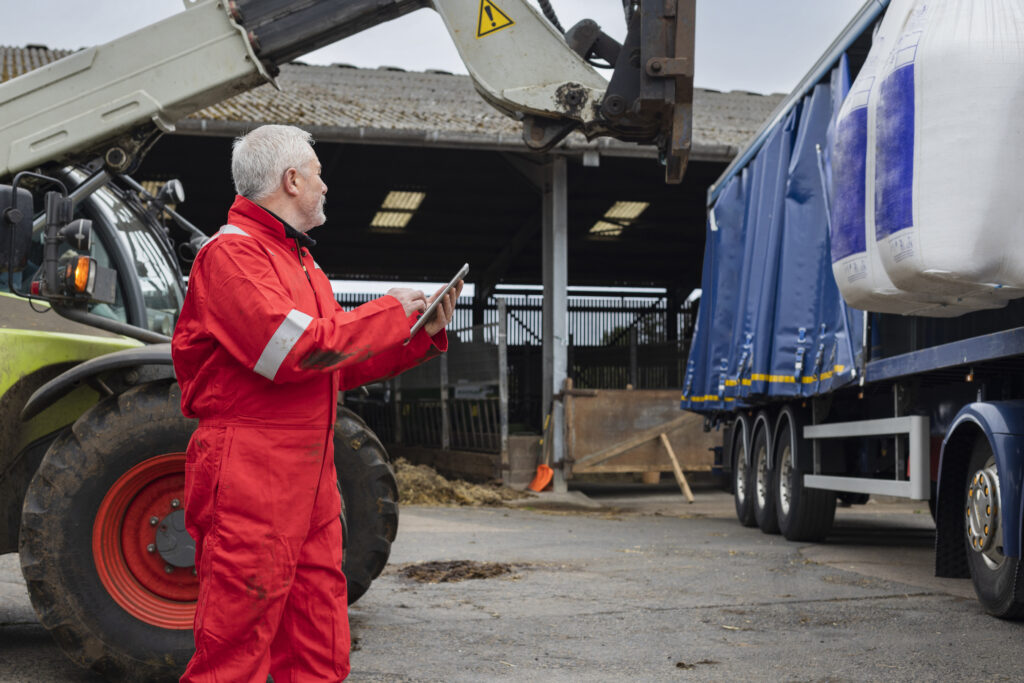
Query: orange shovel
x,y
544,471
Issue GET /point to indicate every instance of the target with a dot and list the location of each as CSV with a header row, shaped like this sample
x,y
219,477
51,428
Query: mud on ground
x,y
449,572
422,485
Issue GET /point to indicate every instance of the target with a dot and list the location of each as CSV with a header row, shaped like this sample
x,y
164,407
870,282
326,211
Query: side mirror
x,y
172,192
15,228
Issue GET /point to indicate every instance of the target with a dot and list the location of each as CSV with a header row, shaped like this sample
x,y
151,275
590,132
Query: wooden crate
x,y
604,420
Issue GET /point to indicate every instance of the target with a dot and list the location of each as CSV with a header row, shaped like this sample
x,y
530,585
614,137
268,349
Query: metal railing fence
x,y
614,342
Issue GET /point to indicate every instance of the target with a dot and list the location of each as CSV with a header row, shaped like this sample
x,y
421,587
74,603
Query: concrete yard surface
x,y
646,588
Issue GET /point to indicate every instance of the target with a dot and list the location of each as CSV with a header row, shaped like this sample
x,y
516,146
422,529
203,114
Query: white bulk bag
x,y
950,152
856,265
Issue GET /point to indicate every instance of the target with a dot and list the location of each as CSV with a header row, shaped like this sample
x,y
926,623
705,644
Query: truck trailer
x,y
910,393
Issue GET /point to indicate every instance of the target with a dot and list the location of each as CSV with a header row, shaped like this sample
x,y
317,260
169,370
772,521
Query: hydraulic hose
x,y
549,12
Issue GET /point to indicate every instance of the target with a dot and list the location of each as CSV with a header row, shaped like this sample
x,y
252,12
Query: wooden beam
x,y
623,446
676,469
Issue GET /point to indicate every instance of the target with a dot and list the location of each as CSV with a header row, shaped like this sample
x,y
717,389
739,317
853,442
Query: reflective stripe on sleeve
x,y
281,344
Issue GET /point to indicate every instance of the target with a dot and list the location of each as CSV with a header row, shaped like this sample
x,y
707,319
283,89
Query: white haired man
x,y
261,350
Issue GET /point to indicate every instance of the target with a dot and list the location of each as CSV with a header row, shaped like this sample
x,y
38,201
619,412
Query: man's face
x,y
313,196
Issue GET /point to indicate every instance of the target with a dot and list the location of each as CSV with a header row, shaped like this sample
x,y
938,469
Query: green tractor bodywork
x,y
36,346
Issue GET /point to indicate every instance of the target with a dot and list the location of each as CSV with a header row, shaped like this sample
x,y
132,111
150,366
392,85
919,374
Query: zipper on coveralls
x,y
316,299
298,252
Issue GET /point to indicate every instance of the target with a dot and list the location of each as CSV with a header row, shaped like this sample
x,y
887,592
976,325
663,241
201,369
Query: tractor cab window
x,y
160,282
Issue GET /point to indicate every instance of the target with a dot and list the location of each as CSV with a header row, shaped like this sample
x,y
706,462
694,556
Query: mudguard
x,y
1002,423
794,419
52,391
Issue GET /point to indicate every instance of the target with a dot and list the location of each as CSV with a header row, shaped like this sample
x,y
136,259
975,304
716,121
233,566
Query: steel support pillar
x,y
555,220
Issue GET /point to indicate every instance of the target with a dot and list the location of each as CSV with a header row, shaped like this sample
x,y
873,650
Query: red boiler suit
x,y
260,351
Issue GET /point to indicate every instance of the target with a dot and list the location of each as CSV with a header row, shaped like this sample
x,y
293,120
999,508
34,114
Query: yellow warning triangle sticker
x,y
491,19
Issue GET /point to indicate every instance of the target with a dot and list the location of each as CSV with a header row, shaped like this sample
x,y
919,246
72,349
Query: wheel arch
x,y
52,391
1001,423
791,417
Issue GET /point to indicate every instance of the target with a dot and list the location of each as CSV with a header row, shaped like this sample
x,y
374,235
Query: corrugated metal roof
x,y
403,107
15,61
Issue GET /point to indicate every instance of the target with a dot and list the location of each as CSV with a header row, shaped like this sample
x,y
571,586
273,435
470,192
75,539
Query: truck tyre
x,y
998,579
742,482
369,494
764,492
804,514
108,490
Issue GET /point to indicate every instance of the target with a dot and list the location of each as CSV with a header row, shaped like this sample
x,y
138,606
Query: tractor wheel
x,y
103,546
369,494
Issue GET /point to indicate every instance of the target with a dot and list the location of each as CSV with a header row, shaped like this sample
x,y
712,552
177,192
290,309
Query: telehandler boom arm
x,y
113,100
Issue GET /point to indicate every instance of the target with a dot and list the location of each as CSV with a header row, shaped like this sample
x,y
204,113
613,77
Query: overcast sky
x,y
755,45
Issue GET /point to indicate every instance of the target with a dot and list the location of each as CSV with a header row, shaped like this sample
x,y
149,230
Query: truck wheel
x,y
742,482
998,579
369,494
764,492
804,514
104,552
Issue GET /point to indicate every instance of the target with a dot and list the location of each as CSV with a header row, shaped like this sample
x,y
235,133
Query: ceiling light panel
x,y
619,216
606,229
403,201
394,220
626,211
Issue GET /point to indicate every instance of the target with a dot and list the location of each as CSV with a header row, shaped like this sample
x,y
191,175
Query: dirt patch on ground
x,y
687,666
449,572
422,485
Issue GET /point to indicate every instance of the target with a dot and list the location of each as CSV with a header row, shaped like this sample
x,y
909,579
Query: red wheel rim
x,y
136,578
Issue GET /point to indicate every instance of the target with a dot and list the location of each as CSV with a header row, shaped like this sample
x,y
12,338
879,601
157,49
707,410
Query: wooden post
x,y
634,371
680,479
570,426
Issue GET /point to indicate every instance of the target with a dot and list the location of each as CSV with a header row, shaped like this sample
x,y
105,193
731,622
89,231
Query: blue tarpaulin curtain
x,y
771,321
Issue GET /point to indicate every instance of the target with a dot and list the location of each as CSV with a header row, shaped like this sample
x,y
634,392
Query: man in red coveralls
x,y
261,350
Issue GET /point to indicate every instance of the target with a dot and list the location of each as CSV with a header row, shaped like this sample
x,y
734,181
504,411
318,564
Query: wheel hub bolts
x,y
982,510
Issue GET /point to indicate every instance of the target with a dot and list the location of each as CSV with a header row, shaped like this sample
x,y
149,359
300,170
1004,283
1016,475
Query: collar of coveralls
x,y
289,232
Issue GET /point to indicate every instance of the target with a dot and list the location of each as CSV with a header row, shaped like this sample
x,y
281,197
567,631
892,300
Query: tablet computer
x,y
461,275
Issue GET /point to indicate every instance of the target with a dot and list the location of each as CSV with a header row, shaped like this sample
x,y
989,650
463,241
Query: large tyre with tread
x,y
763,472
998,579
804,514
113,601
742,481
369,500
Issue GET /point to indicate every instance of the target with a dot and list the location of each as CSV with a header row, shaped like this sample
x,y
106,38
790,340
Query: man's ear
x,y
291,182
